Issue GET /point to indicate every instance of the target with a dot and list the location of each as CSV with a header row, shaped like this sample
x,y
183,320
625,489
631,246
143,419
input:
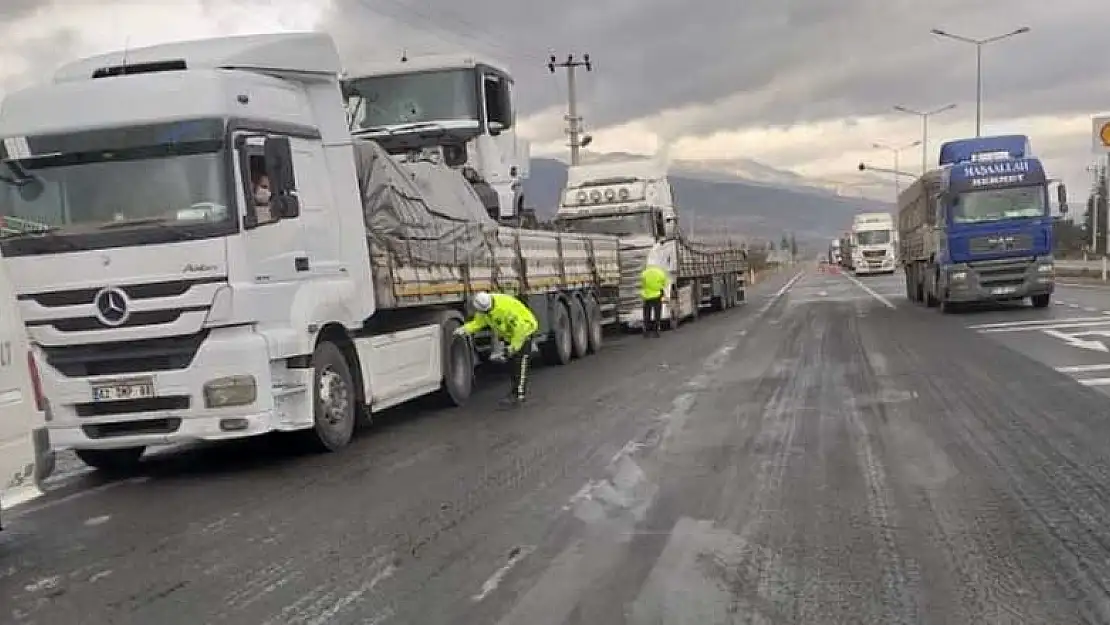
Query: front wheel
x,y
334,399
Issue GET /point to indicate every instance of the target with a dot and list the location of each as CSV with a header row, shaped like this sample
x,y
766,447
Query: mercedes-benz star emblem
x,y
111,306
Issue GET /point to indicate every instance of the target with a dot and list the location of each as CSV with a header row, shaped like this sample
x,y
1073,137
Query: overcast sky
x,y
803,85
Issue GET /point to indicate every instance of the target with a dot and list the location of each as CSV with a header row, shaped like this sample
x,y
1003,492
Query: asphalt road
x,y
828,453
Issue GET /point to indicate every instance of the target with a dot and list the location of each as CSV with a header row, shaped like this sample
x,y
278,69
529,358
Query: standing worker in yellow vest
x,y
512,322
653,290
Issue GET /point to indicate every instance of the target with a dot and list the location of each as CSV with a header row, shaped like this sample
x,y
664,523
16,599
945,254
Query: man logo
x,y
111,307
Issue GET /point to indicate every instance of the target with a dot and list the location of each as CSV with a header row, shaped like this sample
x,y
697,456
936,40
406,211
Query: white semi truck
x,y
166,305
458,108
633,198
873,243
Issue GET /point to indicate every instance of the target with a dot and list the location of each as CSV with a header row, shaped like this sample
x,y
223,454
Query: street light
x,y
924,115
896,151
979,43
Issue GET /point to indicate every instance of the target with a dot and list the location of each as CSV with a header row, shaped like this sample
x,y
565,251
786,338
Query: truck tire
x,y
458,365
695,301
333,399
112,461
558,348
1041,301
579,328
593,320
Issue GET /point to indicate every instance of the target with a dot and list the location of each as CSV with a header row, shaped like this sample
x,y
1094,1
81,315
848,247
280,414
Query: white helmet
x,y
483,301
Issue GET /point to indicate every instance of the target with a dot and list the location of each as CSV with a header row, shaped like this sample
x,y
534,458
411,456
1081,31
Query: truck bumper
x,y
875,266
1000,280
180,410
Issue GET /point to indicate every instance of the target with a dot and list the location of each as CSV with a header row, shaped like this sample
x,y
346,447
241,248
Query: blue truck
x,y
978,228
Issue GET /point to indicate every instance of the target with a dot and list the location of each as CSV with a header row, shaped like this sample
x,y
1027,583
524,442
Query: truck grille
x,y
874,253
1001,243
632,264
1007,272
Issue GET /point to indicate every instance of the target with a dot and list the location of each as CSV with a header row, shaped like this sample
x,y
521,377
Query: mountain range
x,y
744,196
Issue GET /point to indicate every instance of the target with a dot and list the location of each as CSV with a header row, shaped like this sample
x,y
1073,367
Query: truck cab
x,y
633,200
457,110
874,241
164,302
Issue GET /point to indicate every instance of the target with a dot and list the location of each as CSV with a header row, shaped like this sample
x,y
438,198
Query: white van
x,y
25,455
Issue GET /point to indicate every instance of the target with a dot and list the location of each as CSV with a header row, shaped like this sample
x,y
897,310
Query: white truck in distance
x,y
167,305
633,198
459,106
873,241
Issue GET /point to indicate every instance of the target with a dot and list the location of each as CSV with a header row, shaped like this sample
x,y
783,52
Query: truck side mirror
x,y
283,183
1062,198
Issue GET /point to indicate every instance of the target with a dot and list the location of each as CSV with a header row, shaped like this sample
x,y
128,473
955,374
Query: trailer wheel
x,y
580,330
458,366
112,461
593,320
333,399
558,348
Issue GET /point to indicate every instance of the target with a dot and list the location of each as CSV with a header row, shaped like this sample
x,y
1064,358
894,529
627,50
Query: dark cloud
x,y
780,61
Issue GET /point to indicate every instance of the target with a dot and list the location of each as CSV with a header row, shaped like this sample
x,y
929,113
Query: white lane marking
x,y
1089,309
1073,305
1084,368
1073,340
494,580
1095,382
1035,322
884,301
1053,326
778,294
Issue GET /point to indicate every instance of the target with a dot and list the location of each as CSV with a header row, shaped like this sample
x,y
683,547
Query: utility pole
x,y
578,140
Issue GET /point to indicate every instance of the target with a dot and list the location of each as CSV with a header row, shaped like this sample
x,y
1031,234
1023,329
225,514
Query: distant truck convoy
x,y
873,240
979,228
834,252
165,304
633,199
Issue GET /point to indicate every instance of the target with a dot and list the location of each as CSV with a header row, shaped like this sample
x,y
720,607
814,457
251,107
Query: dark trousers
x,y
653,311
518,370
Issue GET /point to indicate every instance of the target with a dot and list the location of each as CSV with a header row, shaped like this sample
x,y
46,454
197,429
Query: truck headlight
x,y
957,276
1045,268
233,390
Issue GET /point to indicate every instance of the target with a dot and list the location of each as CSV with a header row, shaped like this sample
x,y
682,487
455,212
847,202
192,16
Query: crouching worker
x,y
513,323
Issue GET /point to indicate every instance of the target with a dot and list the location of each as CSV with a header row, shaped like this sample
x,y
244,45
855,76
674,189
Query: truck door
x,y
273,245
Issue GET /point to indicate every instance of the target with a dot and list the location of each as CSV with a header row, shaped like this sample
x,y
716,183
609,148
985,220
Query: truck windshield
x,y
997,204
873,237
412,98
635,223
179,195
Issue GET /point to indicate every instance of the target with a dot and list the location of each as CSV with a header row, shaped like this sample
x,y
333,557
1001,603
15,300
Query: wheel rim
x,y
335,399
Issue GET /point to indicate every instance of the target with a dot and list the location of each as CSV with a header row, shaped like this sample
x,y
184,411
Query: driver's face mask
x,y
261,196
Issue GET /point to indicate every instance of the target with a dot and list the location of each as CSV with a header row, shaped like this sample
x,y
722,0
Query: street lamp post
x,y
979,43
896,151
924,115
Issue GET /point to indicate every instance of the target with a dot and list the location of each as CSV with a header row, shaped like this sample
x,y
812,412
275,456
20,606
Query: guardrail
x,y
1094,268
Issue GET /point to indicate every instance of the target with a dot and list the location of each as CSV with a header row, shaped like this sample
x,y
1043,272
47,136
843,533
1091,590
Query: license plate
x,y
120,390
1003,290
